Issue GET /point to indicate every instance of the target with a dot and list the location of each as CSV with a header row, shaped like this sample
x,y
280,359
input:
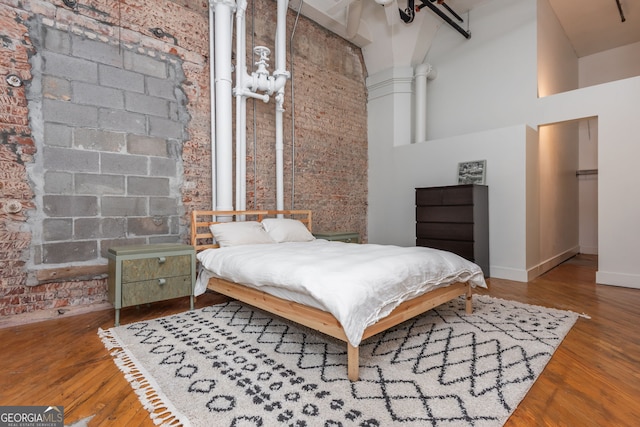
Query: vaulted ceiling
x,y
594,26
591,25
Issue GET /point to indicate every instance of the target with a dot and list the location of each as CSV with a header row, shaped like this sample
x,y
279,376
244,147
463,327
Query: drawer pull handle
x,y
162,281
162,260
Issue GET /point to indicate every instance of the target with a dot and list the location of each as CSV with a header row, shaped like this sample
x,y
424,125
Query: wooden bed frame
x,y
201,238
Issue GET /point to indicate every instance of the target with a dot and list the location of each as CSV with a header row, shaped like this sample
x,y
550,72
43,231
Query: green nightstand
x,y
347,237
141,274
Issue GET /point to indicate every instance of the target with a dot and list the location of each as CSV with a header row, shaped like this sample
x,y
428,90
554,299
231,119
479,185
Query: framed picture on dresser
x,y
472,172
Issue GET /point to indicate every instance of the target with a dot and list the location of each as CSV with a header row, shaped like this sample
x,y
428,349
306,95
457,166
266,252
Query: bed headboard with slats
x,y
201,237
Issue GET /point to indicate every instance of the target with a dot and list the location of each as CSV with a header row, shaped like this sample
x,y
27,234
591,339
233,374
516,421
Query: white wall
x,y
603,67
558,199
616,105
434,163
557,62
488,81
489,76
615,64
484,106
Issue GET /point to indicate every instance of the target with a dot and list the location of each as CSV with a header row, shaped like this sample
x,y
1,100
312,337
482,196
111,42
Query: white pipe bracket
x,y
280,102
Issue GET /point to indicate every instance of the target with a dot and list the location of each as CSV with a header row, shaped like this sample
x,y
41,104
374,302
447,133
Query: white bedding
x,y
358,284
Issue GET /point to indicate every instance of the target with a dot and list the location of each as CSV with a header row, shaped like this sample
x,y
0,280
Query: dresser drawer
x,y
429,197
464,249
444,214
438,196
155,290
159,266
444,230
461,195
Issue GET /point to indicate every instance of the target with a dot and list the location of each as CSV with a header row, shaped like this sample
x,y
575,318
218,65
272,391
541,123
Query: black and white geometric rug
x,y
232,365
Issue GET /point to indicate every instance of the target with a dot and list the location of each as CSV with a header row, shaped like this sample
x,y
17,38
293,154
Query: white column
x,y
423,71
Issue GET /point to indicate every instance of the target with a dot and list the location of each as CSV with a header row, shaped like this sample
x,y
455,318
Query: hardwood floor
x,y
593,379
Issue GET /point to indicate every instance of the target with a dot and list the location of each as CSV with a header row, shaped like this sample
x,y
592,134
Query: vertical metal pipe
x,y
293,111
281,76
212,102
223,104
420,94
241,107
423,73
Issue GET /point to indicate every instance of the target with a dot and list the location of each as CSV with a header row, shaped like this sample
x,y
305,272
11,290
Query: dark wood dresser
x,y
456,219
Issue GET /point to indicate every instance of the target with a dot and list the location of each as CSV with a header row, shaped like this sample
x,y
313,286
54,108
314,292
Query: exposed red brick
x,y
330,161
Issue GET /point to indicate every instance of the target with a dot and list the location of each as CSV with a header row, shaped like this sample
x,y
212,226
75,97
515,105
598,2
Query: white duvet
x,y
358,284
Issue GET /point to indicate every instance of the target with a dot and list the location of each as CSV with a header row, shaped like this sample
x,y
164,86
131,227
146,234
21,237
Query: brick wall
x,y
82,184
16,151
329,172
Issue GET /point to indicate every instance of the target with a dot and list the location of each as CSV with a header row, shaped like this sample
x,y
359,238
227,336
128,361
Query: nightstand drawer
x,y
159,289
156,267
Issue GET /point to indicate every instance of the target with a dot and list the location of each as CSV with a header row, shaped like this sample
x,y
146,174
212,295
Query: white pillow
x,y
287,230
239,233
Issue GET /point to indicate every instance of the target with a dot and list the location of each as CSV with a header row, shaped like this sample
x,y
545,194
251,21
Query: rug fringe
x,y
159,407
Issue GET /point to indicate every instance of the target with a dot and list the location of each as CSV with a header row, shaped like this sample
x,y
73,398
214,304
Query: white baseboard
x,y
547,265
618,279
508,273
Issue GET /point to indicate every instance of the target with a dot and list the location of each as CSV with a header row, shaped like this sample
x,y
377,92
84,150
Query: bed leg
x,y
469,307
353,362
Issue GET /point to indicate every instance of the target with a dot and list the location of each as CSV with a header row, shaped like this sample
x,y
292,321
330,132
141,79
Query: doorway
x,y
568,202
